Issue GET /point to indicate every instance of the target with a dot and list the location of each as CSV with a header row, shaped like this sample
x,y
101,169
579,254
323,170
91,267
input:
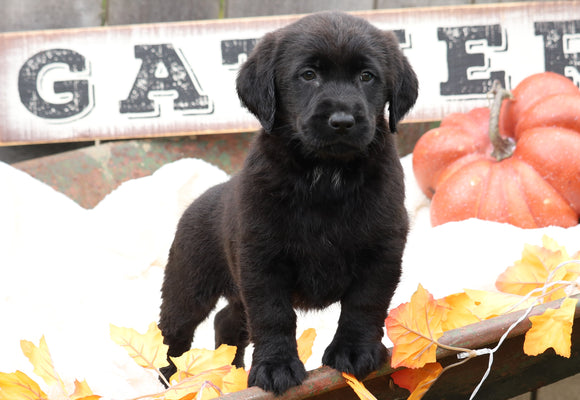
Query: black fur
x,y
317,213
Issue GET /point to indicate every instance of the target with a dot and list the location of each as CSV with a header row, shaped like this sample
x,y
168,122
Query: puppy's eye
x,y
308,75
366,76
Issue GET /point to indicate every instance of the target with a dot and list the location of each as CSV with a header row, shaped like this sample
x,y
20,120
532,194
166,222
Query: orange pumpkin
x,y
528,92
532,180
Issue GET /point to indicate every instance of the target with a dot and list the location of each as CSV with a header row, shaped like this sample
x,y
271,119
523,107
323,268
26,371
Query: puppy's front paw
x,y
355,358
277,375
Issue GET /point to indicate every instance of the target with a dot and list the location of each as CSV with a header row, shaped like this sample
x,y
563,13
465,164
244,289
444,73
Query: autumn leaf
x,y
235,380
417,381
553,329
573,268
459,311
552,245
19,386
193,384
146,349
207,391
358,387
488,304
305,343
472,306
569,272
537,267
83,392
196,361
414,328
41,359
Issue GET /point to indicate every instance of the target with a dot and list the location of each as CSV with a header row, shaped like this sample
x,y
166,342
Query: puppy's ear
x,y
404,93
255,83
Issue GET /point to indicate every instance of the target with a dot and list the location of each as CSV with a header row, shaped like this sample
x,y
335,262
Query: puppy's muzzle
x,y
337,126
341,122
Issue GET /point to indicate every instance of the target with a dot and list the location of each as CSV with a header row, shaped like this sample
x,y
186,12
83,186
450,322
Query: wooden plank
x,y
419,3
121,82
121,12
21,15
241,8
513,372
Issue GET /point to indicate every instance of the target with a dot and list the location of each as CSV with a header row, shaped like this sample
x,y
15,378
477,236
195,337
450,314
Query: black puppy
x,y
315,216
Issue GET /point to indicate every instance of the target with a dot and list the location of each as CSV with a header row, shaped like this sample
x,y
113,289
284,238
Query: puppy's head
x,y
326,80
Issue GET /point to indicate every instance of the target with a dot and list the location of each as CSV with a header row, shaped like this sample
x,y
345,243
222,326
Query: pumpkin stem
x,y
502,147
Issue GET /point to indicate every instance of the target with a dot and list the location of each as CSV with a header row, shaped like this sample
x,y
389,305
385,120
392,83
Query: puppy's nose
x,y
341,121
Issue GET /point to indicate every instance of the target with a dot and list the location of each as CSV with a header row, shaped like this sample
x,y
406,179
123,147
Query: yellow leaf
x,y
413,328
189,396
41,359
193,384
208,391
18,386
536,268
417,381
552,245
459,311
305,343
551,329
570,272
83,392
573,269
235,380
488,304
146,349
195,361
360,389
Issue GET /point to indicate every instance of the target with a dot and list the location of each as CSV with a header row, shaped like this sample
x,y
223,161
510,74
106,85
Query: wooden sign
x,y
179,78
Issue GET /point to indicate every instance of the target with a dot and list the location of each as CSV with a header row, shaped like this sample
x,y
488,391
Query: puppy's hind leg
x,y
230,328
190,292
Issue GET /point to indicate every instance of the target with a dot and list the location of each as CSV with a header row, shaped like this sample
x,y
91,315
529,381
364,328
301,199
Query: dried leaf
x,y
18,386
196,361
193,384
491,304
459,311
189,396
551,244
417,381
413,328
358,387
574,269
305,343
537,267
235,380
551,329
570,272
146,349
208,391
41,359
83,392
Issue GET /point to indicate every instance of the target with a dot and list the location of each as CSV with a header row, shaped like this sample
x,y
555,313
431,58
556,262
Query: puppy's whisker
x,y
316,175
336,180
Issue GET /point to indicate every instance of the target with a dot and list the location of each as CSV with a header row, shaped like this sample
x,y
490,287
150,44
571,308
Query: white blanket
x,y
67,272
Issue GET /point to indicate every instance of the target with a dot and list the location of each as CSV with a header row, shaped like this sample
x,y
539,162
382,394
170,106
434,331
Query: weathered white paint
x,y
82,84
